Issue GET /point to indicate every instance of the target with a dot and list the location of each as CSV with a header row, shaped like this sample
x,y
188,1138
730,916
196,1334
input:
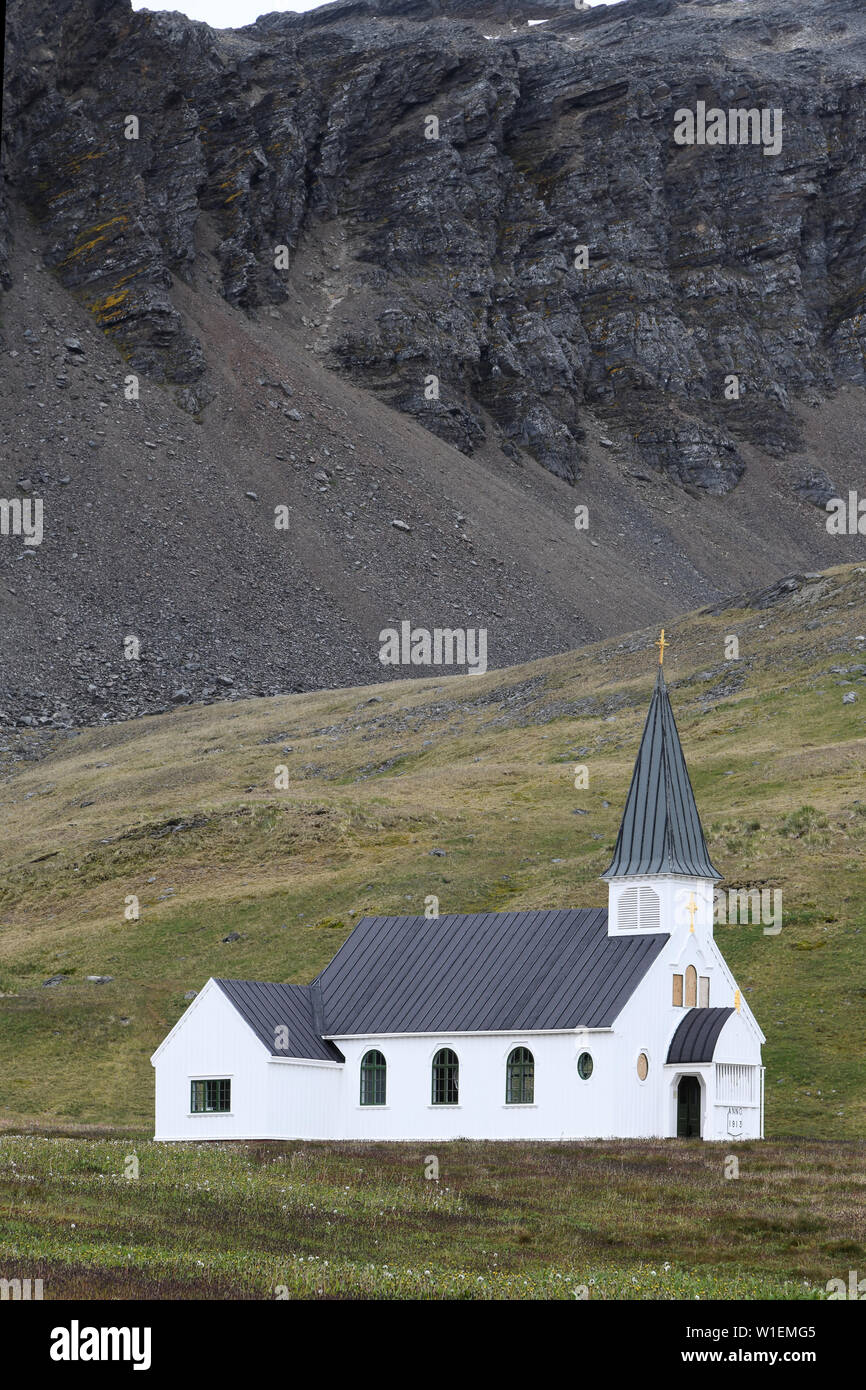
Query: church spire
x,y
661,830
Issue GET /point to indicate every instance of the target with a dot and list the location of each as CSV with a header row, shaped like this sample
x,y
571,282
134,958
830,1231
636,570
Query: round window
x,y
584,1066
642,1066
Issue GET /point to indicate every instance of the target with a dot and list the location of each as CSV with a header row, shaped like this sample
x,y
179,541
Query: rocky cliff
x,y
397,192
454,239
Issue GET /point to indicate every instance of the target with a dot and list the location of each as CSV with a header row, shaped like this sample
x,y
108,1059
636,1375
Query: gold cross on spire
x,y
661,644
691,909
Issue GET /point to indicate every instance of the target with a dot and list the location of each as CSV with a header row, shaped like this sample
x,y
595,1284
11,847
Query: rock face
x,y
457,157
347,318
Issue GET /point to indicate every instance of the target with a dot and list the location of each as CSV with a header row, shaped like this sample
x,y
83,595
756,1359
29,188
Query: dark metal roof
x,y
661,829
267,1007
487,971
697,1034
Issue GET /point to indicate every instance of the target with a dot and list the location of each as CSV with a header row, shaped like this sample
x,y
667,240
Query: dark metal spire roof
x,y
661,830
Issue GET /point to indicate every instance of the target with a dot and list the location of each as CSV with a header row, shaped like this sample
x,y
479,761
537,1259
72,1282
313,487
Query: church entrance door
x,y
689,1108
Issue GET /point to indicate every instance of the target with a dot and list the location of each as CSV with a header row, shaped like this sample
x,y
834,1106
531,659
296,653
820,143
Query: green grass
x,y
637,1220
185,815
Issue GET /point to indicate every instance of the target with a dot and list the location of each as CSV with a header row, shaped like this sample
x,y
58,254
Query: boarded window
x,y
642,1066
678,991
705,991
691,987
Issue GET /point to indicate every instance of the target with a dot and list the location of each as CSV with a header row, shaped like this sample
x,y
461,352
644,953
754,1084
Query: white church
x,y
544,1024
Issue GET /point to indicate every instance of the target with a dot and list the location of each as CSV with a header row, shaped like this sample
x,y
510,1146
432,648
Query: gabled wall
x,y
210,1041
270,1099
651,1018
686,947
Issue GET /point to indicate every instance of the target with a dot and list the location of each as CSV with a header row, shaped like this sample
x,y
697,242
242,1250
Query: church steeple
x,y
661,830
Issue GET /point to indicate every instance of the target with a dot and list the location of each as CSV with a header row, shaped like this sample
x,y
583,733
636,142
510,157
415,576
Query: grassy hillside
x,y
462,788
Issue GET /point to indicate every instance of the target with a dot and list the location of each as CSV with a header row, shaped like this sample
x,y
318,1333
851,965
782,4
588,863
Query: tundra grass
x,y
98,1218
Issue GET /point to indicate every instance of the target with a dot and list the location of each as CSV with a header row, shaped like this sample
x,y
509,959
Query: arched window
x,y
678,992
373,1078
445,1077
520,1077
691,987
